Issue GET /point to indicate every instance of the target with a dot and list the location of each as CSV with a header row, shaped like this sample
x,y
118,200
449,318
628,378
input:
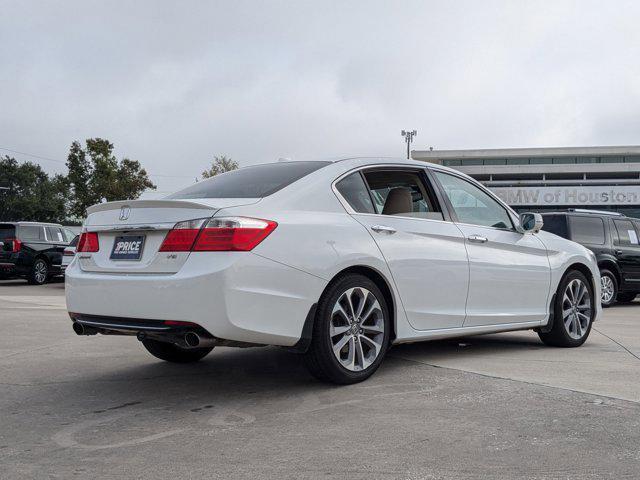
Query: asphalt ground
x,y
495,406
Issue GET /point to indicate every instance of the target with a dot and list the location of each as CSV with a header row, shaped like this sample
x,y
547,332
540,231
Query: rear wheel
x,y
573,312
39,272
626,297
608,287
351,331
173,353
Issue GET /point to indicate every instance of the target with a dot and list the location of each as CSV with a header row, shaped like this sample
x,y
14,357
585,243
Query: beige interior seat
x,y
398,201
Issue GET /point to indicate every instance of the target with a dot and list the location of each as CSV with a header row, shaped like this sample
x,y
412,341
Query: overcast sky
x,y
174,83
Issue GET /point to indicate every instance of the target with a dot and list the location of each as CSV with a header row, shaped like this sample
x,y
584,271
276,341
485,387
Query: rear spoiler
x,y
102,207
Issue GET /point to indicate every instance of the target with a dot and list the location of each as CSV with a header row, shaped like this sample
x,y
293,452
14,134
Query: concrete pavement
x,y
499,406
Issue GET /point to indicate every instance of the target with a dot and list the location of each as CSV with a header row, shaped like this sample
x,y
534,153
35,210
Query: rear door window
x,y
250,182
354,191
403,193
627,234
31,233
54,234
589,230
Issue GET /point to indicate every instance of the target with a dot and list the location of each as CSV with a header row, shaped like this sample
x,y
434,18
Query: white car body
x,y
441,283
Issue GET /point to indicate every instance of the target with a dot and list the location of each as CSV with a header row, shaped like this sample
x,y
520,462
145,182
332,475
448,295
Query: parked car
x,y
336,260
613,238
32,250
69,252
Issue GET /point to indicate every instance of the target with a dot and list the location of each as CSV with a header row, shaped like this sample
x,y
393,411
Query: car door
x,y
509,271
426,255
57,241
627,252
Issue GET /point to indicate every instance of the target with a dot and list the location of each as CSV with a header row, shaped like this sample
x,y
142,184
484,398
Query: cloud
x,y
173,84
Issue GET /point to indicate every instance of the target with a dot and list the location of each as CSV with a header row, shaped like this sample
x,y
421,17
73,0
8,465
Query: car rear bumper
x,y
237,296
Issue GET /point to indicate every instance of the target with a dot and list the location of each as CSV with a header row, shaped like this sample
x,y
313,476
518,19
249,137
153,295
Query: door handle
x,y
477,239
383,229
618,252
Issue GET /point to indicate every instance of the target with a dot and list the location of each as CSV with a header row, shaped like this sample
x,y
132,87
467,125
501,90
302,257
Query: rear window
x,y
589,230
7,231
74,242
555,224
250,182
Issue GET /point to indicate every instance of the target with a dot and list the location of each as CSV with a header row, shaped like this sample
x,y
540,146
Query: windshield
x,y
250,182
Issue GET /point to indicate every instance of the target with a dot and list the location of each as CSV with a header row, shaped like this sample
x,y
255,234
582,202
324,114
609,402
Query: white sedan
x,y
336,260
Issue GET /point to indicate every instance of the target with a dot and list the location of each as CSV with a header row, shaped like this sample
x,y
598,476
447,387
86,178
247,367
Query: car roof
x,y
593,213
358,161
44,224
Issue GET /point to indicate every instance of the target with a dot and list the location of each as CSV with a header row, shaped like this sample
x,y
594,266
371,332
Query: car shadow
x,y
54,282
231,374
476,345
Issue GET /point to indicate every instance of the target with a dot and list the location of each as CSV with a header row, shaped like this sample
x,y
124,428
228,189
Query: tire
x,y
572,329
173,353
609,287
364,339
39,272
626,297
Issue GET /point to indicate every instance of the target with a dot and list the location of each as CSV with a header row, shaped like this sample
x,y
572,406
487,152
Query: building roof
x,y
526,152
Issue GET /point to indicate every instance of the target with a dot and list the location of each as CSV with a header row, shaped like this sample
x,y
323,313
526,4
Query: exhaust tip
x,y
192,339
78,328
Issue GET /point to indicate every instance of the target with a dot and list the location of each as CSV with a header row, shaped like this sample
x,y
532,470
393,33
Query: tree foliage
x,y
220,164
31,194
95,175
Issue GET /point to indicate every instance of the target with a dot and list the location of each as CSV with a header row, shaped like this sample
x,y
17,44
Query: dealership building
x,y
544,179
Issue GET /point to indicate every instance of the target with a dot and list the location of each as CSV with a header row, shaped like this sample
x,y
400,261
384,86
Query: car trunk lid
x,y
143,224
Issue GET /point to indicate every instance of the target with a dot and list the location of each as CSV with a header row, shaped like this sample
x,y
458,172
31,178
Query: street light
x,y
408,137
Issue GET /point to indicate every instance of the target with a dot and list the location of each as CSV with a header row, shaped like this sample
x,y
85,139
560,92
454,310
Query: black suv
x,y
32,250
613,238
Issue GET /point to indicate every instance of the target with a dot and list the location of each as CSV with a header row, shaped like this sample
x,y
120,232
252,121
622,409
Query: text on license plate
x,y
127,247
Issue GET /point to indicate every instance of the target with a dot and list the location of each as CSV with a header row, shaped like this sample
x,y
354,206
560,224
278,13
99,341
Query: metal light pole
x,y
408,138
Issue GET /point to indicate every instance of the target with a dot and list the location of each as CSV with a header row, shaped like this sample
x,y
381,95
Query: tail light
x,y
16,245
68,252
224,234
88,242
181,238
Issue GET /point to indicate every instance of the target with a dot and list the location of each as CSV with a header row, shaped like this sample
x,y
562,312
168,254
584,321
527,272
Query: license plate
x,y
127,247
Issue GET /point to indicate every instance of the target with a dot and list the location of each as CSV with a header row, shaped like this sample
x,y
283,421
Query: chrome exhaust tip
x,y
192,339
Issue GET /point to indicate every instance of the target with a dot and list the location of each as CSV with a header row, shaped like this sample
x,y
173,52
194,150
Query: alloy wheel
x,y
607,289
576,309
357,329
40,271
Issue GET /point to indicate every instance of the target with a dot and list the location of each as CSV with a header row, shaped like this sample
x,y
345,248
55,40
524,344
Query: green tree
x,y
96,175
30,194
220,165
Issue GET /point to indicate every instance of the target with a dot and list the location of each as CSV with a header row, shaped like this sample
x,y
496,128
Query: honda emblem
x,y
124,212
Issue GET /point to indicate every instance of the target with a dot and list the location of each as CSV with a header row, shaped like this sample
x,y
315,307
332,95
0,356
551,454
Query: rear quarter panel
x,y
317,236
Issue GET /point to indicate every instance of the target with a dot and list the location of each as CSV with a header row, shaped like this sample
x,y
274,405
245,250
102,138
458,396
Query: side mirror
x,y
530,222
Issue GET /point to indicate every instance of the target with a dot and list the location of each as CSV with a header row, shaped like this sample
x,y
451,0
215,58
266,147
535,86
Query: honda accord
x,y
335,260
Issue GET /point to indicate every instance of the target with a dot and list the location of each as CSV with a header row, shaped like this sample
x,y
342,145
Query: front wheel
x,y
351,332
173,353
573,312
39,272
